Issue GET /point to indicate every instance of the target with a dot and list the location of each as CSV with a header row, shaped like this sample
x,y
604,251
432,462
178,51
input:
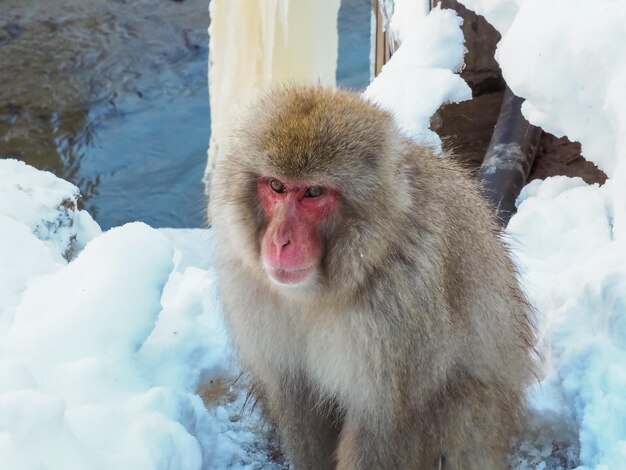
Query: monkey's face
x,y
291,246
307,190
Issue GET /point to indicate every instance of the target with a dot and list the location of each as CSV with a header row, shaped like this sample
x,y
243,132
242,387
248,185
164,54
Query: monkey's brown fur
x,y
412,348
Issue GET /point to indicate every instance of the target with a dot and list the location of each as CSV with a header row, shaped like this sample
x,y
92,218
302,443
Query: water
x,y
112,96
353,67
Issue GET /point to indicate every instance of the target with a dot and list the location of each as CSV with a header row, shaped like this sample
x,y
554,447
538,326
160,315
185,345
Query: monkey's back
x,y
450,233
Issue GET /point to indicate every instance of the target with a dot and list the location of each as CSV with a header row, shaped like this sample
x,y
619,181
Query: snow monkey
x,y
367,290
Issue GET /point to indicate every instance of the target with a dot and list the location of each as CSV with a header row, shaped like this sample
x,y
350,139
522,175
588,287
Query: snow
x,y
46,205
423,73
567,59
406,17
103,357
574,271
500,13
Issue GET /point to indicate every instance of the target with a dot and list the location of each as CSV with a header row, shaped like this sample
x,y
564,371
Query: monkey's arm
x,y
365,445
309,426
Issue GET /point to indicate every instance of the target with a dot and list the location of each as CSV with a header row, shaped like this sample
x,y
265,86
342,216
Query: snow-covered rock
x,y
47,205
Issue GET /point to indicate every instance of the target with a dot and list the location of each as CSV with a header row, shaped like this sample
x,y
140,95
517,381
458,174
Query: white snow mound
x,y
102,357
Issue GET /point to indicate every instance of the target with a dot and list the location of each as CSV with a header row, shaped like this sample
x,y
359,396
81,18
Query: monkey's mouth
x,y
291,276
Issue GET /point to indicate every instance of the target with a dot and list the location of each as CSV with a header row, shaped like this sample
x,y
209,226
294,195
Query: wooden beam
x,y
383,41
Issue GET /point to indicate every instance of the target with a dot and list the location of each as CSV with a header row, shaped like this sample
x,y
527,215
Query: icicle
x,y
255,45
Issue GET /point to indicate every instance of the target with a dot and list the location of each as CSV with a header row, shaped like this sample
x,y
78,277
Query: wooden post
x,y
384,42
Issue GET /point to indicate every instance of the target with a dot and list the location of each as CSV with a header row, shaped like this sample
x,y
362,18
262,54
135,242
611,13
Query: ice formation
x,y
254,45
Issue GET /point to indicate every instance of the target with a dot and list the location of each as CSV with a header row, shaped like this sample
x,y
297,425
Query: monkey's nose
x,y
281,243
282,239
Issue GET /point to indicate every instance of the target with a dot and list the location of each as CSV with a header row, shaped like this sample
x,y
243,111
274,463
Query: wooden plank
x,y
383,41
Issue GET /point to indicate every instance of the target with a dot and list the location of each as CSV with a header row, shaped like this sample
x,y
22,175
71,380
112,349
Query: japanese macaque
x,y
367,289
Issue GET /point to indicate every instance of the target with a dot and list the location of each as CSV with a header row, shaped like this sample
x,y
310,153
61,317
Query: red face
x,y
291,247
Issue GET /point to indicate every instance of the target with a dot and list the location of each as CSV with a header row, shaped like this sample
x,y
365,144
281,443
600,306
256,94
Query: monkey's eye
x,y
314,191
277,186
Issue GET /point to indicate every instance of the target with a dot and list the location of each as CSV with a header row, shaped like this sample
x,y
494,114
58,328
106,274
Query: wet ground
x,y
113,97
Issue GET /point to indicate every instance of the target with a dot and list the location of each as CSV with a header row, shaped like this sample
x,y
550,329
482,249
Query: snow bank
x,y
422,74
574,270
40,226
567,58
101,358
